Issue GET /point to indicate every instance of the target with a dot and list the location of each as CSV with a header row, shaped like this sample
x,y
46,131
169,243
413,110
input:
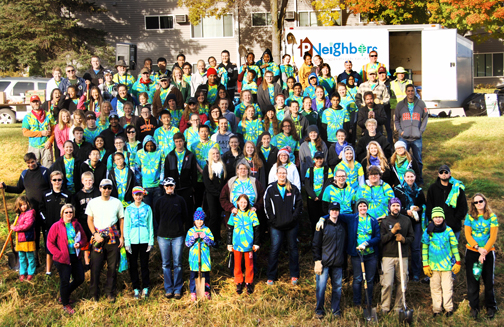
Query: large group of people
x,y
117,161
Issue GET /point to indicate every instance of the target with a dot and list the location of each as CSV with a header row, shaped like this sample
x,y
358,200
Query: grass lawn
x,y
471,146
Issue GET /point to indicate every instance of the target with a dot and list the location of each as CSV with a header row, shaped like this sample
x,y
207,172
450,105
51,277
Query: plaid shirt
x,y
113,234
380,91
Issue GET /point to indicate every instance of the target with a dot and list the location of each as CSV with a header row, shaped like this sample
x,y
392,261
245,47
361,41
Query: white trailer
x,y
441,60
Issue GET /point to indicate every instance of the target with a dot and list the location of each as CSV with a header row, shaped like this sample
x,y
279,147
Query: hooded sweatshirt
x,y
309,91
149,170
355,176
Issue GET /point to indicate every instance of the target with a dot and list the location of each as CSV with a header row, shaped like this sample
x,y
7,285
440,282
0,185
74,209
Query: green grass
x,y
471,146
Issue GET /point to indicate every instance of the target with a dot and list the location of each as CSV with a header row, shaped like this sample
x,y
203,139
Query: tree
x,y
199,9
36,33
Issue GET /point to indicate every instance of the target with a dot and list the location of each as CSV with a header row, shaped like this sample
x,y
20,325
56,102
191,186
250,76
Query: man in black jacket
x,y
96,71
109,134
81,147
180,164
50,208
371,110
371,134
34,181
393,229
455,208
328,250
170,213
232,71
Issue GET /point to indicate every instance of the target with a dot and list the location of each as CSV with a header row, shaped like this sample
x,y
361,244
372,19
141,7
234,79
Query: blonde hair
x,y
66,206
19,202
210,160
244,117
394,157
55,173
264,83
80,113
103,116
61,124
288,185
383,160
256,161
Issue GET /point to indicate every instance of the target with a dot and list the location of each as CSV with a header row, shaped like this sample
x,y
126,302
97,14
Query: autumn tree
x,y
39,33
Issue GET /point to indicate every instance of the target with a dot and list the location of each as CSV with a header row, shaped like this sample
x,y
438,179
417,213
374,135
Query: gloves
x,y
255,248
149,248
428,271
456,268
320,224
400,238
128,249
318,267
362,246
396,228
230,248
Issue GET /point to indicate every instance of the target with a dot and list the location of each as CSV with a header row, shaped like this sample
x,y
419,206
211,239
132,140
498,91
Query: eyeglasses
x,y
373,55
372,74
57,180
382,73
480,201
444,172
69,71
68,212
107,187
340,176
145,73
131,132
348,62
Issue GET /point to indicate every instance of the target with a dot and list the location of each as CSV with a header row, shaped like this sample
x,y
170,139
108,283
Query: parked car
x,y
12,106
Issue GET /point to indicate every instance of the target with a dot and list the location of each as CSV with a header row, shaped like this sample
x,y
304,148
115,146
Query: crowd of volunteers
x,y
228,158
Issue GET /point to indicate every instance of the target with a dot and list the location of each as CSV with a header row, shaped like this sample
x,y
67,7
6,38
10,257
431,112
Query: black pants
x,y
139,250
198,194
188,196
315,212
388,128
109,254
473,286
74,269
215,221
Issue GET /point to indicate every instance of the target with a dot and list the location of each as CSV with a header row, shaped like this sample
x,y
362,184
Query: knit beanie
x,y
211,71
400,144
392,201
199,214
312,128
361,200
437,212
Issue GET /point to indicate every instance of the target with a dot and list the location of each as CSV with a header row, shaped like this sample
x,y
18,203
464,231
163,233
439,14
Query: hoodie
x,y
355,176
272,67
309,91
149,169
99,172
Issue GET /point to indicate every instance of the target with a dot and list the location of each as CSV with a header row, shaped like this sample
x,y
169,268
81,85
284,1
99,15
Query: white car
x,y
12,110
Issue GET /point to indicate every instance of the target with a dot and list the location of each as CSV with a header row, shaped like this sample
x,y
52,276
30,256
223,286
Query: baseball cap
x,y
164,77
144,70
34,98
382,70
168,181
334,206
444,167
105,182
318,154
192,100
371,71
90,115
113,116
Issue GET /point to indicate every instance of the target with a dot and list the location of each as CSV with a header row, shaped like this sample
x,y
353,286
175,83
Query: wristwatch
x,y
476,246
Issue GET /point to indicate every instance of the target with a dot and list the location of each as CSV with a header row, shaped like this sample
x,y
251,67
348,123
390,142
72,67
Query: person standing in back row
x,y
373,64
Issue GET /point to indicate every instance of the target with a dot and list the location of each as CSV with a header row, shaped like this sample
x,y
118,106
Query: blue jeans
x,y
27,263
154,193
370,262
276,244
416,250
416,146
172,248
336,274
192,280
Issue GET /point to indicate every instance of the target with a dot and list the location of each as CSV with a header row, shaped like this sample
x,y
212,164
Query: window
x,y
42,86
22,87
211,27
488,64
310,18
3,86
158,22
261,19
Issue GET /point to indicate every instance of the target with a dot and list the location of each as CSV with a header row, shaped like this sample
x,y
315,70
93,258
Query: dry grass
x,y
472,146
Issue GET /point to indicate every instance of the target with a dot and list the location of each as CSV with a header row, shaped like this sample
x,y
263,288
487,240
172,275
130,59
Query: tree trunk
x,y
277,19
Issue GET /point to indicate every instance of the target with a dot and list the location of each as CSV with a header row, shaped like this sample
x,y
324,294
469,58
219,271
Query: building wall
x,y
495,49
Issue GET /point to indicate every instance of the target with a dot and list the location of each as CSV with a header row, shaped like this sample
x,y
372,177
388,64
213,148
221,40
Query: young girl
x,y
120,147
143,98
129,117
78,120
187,69
139,240
288,137
284,161
271,123
249,127
94,102
287,70
312,144
245,101
199,238
243,238
326,80
233,156
132,145
213,120
280,107
334,119
106,108
289,87
256,164
203,105
400,162
352,89
376,157
336,154
308,112
223,94
191,108
25,237
321,101
353,169
99,144
62,130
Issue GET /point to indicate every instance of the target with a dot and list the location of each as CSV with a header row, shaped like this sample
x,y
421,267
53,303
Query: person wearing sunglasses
x,y
54,199
72,79
106,223
343,77
448,193
373,64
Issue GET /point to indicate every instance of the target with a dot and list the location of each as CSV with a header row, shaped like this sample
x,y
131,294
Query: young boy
x,y
297,96
91,131
95,166
176,114
163,135
329,253
149,170
199,236
439,245
82,148
250,84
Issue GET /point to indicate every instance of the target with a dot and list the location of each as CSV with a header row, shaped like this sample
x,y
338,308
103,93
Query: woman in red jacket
x,y
65,239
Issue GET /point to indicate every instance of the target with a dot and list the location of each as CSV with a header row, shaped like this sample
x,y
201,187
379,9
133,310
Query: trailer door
x,y
439,59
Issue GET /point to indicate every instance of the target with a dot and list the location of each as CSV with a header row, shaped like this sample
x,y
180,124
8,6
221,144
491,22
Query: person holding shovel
x,y
25,237
394,228
199,239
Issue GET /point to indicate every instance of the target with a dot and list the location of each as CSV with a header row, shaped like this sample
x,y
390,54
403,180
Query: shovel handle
x,y
7,216
199,258
401,269
5,244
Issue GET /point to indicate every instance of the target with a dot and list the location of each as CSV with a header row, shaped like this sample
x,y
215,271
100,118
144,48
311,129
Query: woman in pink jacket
x,y
62,131
65,239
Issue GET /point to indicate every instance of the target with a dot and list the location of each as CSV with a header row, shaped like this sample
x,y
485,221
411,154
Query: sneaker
x,y
294,281
70,301
416,279
30,277
319,316
474,314
436,314
178,296
21,278
136,294
448,314
270,282
168,295
426,280
250,288
87,268
111,299
193,297
48,274
208,295
491,313
145,293
239,288
68,309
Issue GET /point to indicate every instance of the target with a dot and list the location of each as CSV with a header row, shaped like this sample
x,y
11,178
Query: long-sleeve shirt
x,y
438,249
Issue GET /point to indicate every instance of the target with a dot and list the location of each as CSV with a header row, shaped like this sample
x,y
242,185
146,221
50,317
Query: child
x,y
149,169
439,245
144,103
296,96
25,240
243,237
199,236
91,131
163,135
249,127
280,107
138,240
289,86
334,119
249,84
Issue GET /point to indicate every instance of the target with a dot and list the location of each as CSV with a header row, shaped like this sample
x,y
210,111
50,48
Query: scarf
x,y
40,115
375,161
148,81
401,166
411,194
457,185
339,147
123,101
432,228
217,168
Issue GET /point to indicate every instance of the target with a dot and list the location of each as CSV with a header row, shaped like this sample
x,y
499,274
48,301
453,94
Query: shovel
x,y
13,256
369,313
405,314
200,281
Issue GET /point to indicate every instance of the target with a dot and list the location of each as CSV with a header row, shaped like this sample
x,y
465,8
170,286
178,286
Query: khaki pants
x,y
44,156
441,286
391,273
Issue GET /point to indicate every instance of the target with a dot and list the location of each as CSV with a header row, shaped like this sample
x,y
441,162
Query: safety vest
x,y
398,90
369,66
